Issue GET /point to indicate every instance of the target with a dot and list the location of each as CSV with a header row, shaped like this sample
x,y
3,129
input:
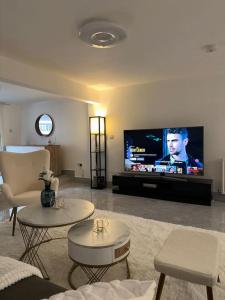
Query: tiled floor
x,y
180,213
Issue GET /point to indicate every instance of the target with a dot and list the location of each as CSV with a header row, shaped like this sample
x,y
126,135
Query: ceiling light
x,y
101,34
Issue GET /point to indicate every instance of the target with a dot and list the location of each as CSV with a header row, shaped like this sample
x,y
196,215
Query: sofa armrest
x,y
33,287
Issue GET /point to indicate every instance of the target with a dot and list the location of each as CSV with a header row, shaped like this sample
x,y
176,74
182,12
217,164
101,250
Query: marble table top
x,y
85,233
73,211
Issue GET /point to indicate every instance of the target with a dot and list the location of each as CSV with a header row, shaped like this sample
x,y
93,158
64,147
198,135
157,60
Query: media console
x,y
179,189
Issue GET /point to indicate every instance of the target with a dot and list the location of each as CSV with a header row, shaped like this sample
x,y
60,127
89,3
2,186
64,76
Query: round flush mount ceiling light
x,y
101,34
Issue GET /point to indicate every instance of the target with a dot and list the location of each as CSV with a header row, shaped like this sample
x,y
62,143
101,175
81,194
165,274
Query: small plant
x,y
47,176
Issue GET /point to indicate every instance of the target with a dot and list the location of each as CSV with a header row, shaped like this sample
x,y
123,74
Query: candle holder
x,y
100,224
59,202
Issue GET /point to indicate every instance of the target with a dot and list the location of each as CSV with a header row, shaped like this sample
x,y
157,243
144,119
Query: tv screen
x,y
166,150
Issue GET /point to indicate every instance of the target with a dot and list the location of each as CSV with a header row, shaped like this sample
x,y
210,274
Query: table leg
x,y
128,269
74,266
33,238
94,274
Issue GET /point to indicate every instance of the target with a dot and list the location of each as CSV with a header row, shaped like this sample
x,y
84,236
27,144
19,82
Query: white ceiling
x,y
164,38
13,94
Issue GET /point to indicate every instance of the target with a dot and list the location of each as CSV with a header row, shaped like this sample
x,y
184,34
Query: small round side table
x,y
35,221
95,252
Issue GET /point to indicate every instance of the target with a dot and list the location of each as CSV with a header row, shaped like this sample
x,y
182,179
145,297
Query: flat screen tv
x,y
166,150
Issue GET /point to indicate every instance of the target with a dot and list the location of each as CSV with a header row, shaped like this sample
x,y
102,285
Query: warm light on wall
x,y
99,110
101,87
97,125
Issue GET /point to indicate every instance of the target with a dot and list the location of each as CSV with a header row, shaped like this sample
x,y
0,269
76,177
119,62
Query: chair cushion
x,y
26,198
190,255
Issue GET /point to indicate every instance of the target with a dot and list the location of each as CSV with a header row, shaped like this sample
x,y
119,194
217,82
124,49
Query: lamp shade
x,y
97,125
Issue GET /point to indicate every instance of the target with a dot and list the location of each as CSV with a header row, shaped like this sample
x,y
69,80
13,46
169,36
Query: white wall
x,y
168,104
71,131
11,124
44,80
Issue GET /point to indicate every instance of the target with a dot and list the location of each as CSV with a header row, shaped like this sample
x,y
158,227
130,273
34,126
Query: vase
x,y
47,197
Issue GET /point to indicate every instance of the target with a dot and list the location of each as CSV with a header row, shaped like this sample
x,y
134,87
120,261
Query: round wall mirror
x,y
44,125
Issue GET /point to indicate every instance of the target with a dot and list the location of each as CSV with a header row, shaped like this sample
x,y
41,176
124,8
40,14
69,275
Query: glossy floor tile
x,y
179,213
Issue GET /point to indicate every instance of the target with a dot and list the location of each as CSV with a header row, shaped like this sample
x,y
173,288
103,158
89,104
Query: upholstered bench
x,y
189,255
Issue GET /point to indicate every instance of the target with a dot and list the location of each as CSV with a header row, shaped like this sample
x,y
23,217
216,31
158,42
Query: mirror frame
x,y
37,128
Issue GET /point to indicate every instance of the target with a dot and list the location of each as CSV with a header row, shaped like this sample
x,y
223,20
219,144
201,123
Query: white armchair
x,y
20,173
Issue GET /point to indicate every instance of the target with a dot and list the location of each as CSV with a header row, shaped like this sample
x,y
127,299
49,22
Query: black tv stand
x,y
193,190
174,178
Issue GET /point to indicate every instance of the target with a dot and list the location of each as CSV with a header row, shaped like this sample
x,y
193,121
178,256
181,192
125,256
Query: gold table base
x,y
94,273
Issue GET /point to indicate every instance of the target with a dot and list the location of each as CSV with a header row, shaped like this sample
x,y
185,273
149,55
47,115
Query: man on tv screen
x,y
177,140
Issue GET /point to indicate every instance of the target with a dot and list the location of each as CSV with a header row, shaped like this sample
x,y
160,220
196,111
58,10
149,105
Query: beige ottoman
x,y
189,255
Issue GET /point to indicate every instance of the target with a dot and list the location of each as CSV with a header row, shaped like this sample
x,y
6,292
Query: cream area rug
x,y
147,237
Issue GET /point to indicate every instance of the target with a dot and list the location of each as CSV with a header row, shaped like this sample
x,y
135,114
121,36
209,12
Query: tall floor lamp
x,y
97,152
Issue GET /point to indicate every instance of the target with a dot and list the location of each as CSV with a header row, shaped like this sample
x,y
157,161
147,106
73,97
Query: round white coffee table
x,y
95,252
35,221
